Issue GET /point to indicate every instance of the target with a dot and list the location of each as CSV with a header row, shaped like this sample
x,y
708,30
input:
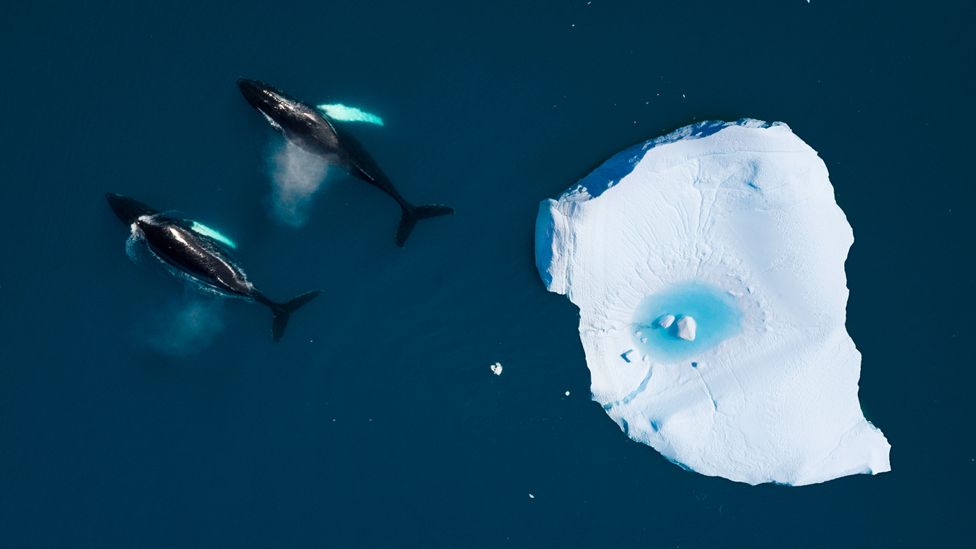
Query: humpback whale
x,y
307,128
201,254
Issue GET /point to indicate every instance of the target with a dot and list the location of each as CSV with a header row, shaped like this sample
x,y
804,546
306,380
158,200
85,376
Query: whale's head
x,y
127,209
259,95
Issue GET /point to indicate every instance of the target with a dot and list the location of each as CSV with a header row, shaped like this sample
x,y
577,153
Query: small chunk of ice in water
x,y
687,328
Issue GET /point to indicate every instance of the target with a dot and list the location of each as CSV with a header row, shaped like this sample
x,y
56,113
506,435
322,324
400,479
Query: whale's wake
x,y
184,326
135,245
296,177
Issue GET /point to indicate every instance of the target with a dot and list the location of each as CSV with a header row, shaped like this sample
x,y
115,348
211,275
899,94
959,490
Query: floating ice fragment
x,y
665,321
687,328
496,368
733,225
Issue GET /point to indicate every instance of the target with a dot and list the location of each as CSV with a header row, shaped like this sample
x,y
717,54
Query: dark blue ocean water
x,y
376,421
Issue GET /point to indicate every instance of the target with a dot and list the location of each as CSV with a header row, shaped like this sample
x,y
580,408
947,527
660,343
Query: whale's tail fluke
x,y
413,214
282,311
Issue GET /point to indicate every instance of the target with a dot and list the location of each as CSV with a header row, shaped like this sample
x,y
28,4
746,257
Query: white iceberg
x,y
734,225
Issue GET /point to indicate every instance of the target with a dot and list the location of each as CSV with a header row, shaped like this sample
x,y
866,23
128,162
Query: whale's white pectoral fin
x,y
345,113
270,120
200,228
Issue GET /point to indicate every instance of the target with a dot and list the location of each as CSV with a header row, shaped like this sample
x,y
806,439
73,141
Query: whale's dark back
x,y
195,255
304,126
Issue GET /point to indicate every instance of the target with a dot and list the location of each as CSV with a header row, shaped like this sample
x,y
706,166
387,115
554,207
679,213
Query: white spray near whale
x,y
296,177
184,326
180,326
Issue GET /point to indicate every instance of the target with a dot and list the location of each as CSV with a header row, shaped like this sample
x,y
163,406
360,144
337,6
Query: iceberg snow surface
x,y
733,227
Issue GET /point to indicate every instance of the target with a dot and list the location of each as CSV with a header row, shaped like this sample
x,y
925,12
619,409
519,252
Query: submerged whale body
x,y
200,254
307,128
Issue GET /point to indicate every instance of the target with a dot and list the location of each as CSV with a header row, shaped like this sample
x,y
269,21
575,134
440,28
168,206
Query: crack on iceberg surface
x,y
631,395
708,267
